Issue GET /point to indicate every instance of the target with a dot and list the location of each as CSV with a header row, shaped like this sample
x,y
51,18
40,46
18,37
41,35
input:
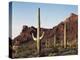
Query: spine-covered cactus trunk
x,y
38,34
65,41
54,40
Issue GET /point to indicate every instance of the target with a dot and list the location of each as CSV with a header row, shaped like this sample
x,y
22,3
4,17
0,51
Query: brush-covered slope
x,y
28,45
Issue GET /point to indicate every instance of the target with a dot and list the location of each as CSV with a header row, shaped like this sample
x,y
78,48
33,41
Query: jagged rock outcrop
x,y
72,32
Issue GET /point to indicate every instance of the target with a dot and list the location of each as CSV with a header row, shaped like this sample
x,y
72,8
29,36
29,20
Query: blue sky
x,y
24,13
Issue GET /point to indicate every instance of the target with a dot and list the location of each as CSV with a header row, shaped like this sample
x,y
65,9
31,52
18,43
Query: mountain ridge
x,y
26,33
26,46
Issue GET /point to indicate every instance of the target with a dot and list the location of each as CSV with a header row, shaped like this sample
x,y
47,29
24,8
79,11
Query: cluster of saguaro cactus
x,y
65,40
38,38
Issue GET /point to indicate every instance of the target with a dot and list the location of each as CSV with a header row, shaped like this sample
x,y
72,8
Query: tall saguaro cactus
x,y
65,41
38,38
54,40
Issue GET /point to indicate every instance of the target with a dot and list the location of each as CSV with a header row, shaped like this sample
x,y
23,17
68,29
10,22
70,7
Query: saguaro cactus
x,y
47,44
54,40
38,34
65,41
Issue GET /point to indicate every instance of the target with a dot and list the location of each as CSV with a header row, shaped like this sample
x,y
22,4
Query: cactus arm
x,y
33,37
42,35
38,38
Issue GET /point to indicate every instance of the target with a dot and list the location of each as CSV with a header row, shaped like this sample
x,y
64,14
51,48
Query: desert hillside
x,y
53,41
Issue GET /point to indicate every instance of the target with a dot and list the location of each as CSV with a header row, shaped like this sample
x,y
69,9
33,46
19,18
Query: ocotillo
x,y
38,34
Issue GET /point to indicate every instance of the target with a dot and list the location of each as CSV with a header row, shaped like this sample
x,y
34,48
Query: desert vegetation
x,y
60,40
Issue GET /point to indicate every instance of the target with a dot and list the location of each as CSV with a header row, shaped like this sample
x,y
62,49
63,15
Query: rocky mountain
x,y
25,37
72,31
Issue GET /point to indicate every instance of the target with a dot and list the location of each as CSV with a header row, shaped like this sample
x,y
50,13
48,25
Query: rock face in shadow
x,y
25,36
